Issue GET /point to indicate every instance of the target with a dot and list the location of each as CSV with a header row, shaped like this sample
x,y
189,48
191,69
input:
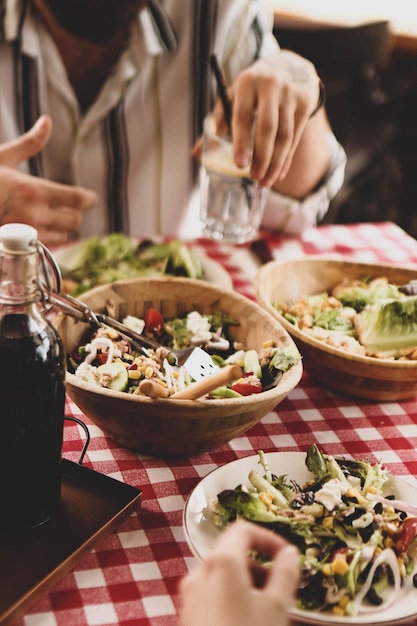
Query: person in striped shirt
x,y
127,85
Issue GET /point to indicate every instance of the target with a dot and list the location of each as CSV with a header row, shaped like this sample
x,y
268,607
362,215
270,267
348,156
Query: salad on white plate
x,y
354,524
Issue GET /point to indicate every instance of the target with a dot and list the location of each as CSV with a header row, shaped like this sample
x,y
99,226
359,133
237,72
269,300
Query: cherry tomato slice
x,y
407,533
154,321
246,388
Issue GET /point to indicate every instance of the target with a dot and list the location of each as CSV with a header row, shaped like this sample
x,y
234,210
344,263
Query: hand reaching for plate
x,y
230,589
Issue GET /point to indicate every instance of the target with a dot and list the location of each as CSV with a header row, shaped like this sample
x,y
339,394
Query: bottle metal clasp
x,y
50,286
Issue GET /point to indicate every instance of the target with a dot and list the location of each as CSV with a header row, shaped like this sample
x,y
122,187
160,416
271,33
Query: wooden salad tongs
x,y
197,362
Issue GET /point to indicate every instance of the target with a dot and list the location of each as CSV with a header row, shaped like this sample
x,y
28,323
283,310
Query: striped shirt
x,y
133,144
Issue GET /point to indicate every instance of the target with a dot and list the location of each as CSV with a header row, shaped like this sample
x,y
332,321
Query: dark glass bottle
x,y
32,388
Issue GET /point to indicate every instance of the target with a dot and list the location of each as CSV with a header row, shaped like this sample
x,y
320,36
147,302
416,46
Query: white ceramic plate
x,y
213,271
201,533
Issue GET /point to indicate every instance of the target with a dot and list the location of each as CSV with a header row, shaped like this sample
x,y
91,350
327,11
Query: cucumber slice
x,y
118,375
224,392
251,363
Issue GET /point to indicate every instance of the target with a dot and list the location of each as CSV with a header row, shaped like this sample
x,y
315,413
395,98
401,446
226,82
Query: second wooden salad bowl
x,y
337,370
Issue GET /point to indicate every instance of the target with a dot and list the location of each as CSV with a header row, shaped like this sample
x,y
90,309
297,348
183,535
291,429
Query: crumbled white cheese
x,y
354,481
134,323
87,372
199,326
330,495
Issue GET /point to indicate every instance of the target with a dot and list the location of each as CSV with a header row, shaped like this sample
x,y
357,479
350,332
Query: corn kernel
x,y
344,602
268,344
388,542
266,497
112,333
328,522
391,528
327,569
148,372
340,566
134,374
338,610
371,489
354,493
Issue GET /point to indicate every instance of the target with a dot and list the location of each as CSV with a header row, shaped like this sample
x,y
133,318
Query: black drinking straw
x,y
221,86
227,109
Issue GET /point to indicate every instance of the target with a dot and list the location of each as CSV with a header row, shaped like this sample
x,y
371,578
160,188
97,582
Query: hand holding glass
x,y
232,204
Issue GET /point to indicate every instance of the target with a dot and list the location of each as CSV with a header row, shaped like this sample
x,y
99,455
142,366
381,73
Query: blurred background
x,y
366,54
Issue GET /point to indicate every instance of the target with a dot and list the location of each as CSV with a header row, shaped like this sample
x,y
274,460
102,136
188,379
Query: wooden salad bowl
x,y
346,373
167,427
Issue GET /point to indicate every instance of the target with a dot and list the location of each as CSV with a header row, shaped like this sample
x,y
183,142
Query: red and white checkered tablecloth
x,y
131,577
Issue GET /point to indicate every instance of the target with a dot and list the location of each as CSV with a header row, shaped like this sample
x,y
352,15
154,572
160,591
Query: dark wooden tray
x,y
32,561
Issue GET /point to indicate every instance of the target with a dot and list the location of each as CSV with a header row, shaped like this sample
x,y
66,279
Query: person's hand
x,y
55,210
291,148
230,589
282,92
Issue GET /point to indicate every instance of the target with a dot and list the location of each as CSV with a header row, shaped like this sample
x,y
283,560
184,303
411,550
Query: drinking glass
x,y
231,203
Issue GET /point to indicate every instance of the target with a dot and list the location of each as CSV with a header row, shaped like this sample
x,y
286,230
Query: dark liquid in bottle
x,y
32,397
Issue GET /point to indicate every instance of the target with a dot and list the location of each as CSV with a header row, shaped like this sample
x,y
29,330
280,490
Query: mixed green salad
x,y
98,261
108,359
357,545
368,317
